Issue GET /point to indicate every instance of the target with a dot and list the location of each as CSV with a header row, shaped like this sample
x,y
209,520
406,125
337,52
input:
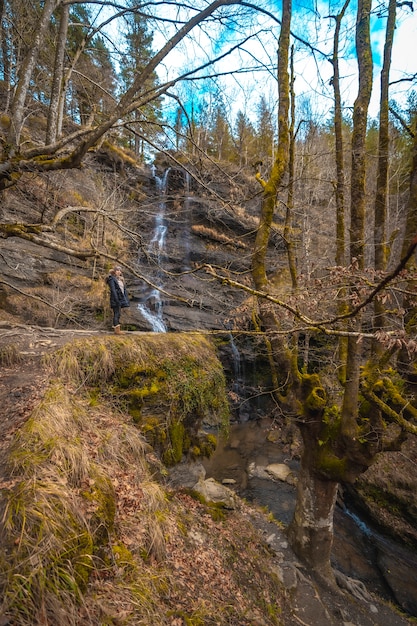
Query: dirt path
x,y
23,378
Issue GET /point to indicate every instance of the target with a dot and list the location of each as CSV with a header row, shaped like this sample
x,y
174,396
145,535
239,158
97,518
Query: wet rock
x,y
257,471
215,492
401,578
186,474
278,471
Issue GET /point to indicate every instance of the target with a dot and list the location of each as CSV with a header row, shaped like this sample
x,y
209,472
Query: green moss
x,y
316,400
274,612
385,500
207,444
331,466
123,557
94,397
313,393
136,396
136,415
331,425
82,559
177,434
101,493
211,440
216,510
364,408
133,374
173,454
195,452
154,430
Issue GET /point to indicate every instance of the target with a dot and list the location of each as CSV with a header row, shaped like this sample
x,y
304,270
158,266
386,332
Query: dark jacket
x,y
117,296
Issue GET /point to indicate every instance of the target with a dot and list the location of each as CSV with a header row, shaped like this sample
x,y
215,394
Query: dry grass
x,y
67,468
10,355
62,298
215,235
90,537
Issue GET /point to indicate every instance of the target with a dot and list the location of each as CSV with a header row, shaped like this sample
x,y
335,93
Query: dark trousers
x,y
116,315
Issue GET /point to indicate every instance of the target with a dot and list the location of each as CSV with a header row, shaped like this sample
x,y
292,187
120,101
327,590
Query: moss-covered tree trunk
x,y
338,135
407,362
324,463
340,182
288,225
279,355
301,395
357,208
311,530
380,208
272,185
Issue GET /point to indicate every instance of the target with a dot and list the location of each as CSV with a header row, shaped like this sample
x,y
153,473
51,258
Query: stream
x,y
359,551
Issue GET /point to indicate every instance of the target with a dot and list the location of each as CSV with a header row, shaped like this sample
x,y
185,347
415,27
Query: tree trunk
x,y
311,530
340,184
58,77
5,54
411,222
380,210
338,126
406,361
360,118
357,207
288,225
26,71
279,167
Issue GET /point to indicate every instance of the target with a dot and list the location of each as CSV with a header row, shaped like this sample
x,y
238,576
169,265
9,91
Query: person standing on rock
x,y
118,296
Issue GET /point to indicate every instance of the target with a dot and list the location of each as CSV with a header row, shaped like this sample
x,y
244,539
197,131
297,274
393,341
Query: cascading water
x,y
238,392
154,318
186,217
237,361
152,308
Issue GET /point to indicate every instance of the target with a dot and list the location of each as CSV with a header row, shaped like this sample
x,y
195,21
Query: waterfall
x,y
238,392
152,308
237,362
154,317
358,521
186,219
157,243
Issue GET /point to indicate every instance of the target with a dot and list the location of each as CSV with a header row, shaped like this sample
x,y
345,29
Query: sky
x,y
242,91
313,74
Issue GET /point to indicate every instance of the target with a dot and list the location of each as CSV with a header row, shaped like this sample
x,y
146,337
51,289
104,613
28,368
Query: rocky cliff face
x,y
163,223
171,225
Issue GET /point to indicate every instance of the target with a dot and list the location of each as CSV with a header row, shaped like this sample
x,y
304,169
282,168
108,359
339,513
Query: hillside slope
x,y
159,223
93,532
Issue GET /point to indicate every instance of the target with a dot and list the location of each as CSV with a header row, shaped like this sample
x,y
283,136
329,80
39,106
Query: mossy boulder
x,y
171,385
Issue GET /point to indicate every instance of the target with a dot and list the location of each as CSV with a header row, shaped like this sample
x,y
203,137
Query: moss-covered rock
x,y
170,384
